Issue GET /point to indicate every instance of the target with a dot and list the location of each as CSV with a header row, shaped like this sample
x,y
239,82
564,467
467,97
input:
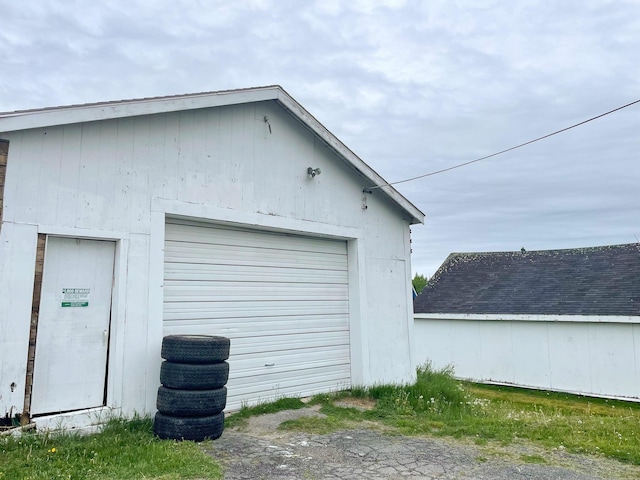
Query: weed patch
x,y
533,459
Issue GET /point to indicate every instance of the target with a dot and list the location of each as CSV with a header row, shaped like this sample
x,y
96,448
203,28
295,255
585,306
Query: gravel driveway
x,y
260,451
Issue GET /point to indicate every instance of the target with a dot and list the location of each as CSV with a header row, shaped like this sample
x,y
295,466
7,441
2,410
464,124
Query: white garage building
x,y
230,213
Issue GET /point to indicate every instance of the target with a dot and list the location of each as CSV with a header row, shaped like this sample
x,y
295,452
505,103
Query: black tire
x,y
191,403
190,376
196,429
201,349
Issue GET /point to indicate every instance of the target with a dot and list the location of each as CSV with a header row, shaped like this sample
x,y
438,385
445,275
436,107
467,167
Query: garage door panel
x,y
180,234
258,327
229,273
288,343
290,292
267,387
241,334
174,312
281,299
246,256
289,361
264,382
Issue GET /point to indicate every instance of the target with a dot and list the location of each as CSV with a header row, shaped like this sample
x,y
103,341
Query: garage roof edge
x,y
288,102
64,115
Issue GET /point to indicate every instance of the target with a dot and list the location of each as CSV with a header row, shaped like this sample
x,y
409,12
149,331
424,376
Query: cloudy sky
x,y
410,86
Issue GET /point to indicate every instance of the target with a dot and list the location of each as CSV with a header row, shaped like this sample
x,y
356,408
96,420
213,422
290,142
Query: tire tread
x,y
191,403
197,349
186,428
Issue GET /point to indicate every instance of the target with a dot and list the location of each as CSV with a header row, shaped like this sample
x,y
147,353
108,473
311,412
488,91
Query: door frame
x,y
161,209
115,358
90,328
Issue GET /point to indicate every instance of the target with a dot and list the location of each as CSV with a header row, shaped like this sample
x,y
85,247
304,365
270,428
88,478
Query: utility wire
x,y
505,151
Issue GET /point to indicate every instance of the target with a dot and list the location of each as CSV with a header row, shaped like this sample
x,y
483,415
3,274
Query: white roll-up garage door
x,y
281,299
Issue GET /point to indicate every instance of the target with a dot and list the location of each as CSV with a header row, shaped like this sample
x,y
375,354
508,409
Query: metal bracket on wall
x,y
365,192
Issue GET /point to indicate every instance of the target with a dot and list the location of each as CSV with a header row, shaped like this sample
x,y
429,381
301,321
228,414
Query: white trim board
x,y
527,318
199,212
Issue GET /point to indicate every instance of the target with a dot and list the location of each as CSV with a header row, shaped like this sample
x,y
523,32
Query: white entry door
x,y
73,325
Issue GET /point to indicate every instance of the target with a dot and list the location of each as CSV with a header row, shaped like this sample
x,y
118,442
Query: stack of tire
x,y
193,395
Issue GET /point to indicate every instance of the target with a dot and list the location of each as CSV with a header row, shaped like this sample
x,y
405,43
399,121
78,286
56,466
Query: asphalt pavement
x,y
261,451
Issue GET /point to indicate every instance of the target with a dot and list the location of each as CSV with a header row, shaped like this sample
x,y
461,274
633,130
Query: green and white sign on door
x,y
75,297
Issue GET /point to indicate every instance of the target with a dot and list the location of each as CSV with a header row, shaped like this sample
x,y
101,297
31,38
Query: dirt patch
x,y
361,404
267,425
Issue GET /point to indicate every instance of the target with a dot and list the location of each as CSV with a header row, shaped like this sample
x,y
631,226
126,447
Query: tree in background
x,y
419,282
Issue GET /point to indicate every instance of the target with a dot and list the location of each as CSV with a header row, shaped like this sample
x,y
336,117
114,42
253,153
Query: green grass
x,y
437,404
123,450
575,423
533,459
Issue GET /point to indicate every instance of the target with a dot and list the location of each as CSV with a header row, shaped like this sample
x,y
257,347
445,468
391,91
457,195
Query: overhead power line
x,y
506,150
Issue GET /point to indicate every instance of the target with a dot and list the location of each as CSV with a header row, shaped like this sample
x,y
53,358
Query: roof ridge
x,y
601,280
568,249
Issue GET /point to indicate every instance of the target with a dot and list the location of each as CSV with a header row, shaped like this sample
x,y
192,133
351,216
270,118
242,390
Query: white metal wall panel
x,y
281,299
596,356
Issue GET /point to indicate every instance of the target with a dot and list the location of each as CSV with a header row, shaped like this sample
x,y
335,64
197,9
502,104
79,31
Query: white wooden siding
x,y
281,299
597,356
117,179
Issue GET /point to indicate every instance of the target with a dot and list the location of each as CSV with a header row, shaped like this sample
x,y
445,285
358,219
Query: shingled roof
x,y
581,281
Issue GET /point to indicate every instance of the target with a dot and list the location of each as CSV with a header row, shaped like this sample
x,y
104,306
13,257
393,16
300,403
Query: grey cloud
x,y
411,87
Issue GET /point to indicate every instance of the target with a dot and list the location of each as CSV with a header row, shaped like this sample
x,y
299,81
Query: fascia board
x,y
14,121
351,158
528,318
